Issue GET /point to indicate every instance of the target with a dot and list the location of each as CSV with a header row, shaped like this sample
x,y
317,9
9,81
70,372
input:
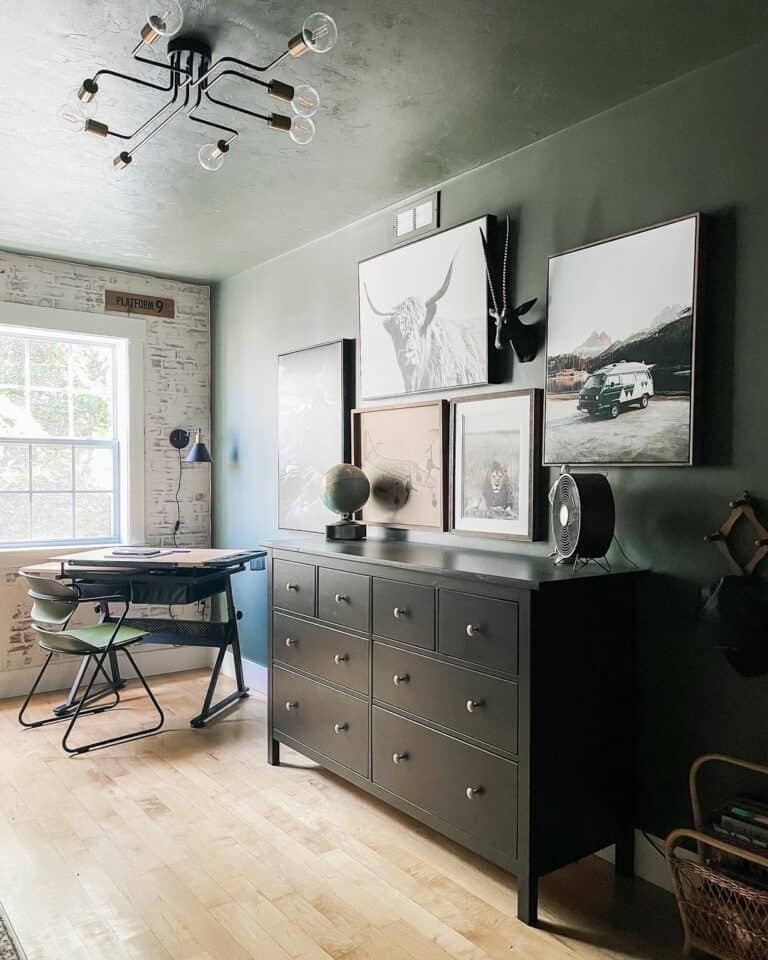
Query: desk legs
x,y
210,710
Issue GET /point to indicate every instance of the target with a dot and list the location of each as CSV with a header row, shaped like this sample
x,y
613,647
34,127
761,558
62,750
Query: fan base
x,y
578,563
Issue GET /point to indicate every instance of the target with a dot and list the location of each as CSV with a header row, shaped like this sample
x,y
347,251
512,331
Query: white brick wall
x,y
176,394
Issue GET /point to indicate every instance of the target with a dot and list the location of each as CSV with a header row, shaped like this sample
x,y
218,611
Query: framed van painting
x,y
621,349
424,315
316,390
494,460
403,452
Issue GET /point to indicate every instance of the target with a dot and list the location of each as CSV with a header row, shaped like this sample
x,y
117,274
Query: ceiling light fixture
x,y
191,76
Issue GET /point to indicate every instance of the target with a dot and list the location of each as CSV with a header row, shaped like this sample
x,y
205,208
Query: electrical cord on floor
x,y
178,506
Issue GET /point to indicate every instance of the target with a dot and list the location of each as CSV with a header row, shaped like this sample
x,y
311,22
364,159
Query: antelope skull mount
x,y
523,337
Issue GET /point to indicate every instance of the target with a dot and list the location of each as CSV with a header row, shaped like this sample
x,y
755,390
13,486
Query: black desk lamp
x,y
198,454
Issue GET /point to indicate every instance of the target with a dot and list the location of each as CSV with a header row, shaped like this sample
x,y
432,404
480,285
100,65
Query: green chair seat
x,y
84,640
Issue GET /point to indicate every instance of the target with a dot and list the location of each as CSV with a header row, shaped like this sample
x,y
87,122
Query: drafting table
x,y
170,577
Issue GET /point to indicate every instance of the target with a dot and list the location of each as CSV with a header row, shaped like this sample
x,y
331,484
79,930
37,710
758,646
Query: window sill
x,y
17,556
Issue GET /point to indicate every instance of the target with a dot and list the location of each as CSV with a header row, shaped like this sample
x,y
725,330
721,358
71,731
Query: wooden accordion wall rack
x,y
741,510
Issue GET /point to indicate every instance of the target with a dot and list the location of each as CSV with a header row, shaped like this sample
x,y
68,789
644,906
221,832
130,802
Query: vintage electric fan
x,y
583,516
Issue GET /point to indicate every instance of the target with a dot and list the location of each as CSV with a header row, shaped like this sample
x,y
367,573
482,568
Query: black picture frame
x,y
696,291
346,394
487,221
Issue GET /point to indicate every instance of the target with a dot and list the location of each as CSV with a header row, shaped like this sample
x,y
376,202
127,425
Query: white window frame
x,y
128,333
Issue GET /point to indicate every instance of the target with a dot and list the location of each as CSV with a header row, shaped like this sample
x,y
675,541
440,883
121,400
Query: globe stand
x,y
345,489
346,529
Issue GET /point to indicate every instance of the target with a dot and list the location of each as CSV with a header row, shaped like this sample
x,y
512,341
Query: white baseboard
x,y
649,864
59,676
255,674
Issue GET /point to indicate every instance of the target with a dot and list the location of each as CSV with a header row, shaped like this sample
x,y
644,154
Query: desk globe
x,y
345,489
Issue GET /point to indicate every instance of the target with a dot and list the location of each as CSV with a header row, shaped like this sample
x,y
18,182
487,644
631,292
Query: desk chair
x,y
53,606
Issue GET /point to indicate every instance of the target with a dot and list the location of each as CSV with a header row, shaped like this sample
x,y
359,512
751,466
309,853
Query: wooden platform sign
x,y
116,301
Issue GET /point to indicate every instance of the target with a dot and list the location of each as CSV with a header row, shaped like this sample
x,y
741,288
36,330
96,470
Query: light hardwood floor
x,y
188,846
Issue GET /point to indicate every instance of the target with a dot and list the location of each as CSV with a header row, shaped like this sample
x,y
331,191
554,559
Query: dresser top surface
x,y
521,570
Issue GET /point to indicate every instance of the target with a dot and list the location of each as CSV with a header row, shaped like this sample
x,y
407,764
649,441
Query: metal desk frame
x,y
220,635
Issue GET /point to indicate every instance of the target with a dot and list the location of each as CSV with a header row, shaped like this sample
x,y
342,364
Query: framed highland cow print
x,y
621,349
494,462
424,315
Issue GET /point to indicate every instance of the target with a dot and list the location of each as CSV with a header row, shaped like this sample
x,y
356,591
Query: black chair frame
x,y
80,708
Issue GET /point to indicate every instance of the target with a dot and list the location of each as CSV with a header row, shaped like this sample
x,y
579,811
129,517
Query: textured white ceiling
x,y
414,92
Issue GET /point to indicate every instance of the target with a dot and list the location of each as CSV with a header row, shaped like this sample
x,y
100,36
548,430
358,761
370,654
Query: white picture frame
x,y
495,453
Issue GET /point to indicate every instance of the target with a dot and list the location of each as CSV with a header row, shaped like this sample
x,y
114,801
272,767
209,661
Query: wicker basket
x,y
722,914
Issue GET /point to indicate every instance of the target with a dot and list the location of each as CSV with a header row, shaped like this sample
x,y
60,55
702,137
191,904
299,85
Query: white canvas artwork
x,y
620,349
312,422
424,315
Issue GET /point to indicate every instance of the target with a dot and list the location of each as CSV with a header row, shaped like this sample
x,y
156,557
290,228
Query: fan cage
x,y
591,516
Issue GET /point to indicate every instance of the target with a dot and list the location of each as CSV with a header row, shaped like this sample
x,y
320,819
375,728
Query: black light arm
x,y
231,106
239,63
137,80
209,123
157,63
175,85
164,121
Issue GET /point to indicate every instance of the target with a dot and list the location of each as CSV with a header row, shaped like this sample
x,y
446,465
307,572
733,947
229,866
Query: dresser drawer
x,y
462,785
344,598
470,703
330,654
293,586
329,721
479,629
404,612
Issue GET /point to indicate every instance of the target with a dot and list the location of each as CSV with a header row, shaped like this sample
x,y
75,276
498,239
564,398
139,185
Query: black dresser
x,y
486,694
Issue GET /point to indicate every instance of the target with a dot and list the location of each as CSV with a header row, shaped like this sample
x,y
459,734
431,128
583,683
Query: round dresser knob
x,y
340,598
400,678
291,705
399,612
472,705
290,642
472,629
340,727
341,657
399,757
472,792
291,586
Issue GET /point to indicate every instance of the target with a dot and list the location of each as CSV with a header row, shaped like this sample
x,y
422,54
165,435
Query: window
x,y
59,437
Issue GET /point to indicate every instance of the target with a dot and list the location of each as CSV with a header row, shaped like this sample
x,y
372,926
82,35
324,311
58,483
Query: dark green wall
x,y
699,143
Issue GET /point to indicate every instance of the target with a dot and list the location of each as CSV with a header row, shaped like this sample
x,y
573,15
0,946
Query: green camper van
x,y
612,389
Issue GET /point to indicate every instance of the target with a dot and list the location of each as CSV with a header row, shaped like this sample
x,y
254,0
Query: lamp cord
x,y
178,505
